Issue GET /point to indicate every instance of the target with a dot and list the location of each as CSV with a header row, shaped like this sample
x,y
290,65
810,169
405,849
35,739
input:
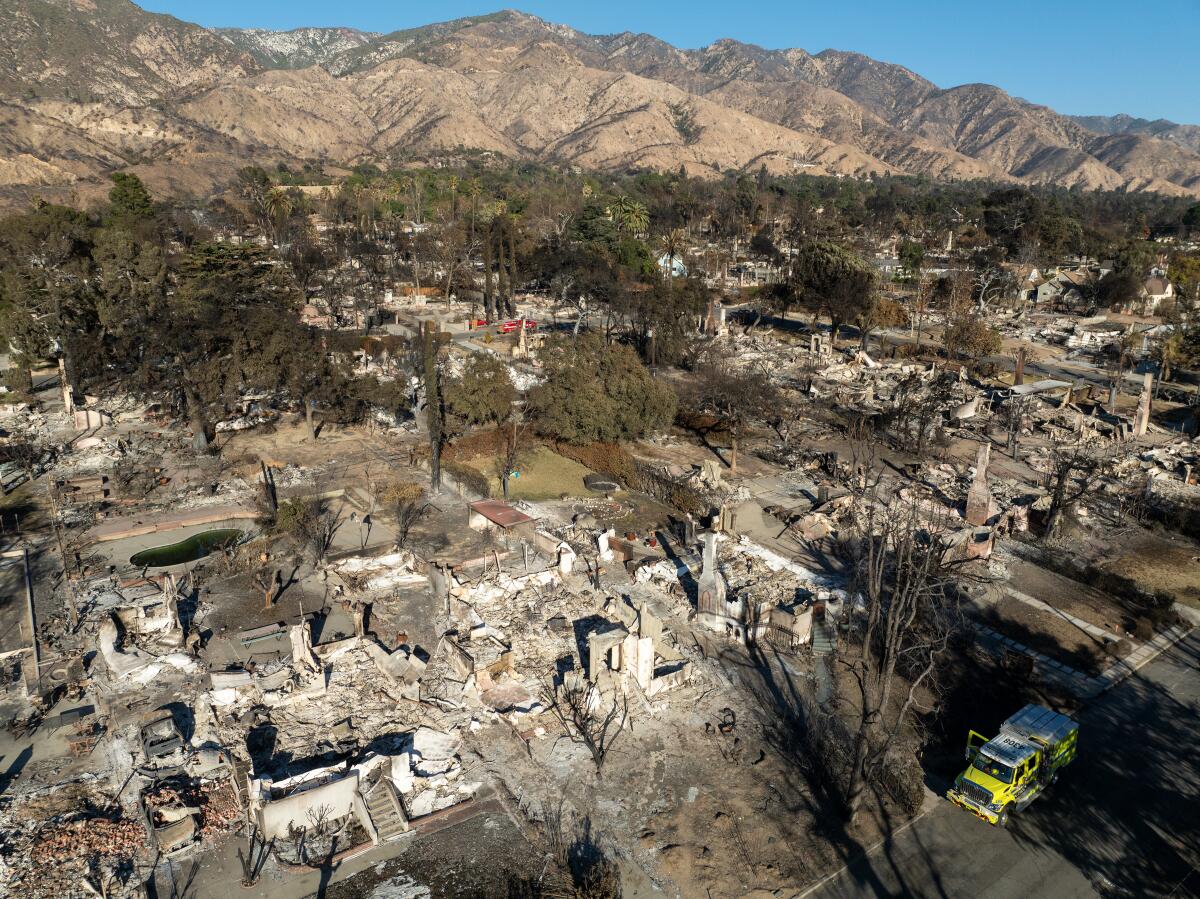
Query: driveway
x,y
1123,820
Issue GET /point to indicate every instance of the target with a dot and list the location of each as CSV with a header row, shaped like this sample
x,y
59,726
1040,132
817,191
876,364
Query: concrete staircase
x,y
824,644
384,808
824,638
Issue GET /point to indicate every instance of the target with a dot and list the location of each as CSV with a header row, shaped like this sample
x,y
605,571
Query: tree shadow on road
x,y
1124,813
792,718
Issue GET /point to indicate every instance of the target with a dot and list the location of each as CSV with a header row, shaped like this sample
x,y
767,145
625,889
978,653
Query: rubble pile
x,y
88,838
214,801
237,697
46,858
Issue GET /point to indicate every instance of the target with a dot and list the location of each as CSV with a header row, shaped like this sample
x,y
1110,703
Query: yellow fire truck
x,y
1012,769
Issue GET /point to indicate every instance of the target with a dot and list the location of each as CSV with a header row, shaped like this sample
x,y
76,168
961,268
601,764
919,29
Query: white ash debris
x,y
385,572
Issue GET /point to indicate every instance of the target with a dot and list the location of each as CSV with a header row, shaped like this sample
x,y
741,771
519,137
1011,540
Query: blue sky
x,y
1099,57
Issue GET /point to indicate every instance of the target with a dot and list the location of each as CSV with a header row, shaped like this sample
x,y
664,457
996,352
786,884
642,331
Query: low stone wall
x,y
120,528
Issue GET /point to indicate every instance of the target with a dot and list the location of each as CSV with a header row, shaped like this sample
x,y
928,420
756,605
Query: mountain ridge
x,y
1186,136
89,86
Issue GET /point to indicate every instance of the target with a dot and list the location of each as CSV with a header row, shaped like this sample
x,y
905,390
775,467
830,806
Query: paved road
x,y
1123,820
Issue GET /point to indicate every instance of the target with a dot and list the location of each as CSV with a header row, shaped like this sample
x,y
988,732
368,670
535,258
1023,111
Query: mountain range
x,y
92,86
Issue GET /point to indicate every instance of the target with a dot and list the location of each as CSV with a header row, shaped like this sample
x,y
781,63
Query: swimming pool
x,y
190,549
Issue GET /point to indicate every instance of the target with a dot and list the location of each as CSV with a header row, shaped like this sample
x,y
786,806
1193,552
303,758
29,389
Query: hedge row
x,y
470,478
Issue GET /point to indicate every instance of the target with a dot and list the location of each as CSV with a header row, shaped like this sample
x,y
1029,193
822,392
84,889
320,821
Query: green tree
x,y
595,391
1189,346
221,330
672,245
762,245
630,215
1118,288
1168,352
912,256
278,205
483,394
1185,273
831,279
130,284
47,306
128,199
1191,219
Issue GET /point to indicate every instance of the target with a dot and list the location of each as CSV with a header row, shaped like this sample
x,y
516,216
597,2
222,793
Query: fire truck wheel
x,y
1002,818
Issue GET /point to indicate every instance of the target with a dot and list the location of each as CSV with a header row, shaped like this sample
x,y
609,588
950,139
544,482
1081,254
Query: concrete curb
x,y
1143,655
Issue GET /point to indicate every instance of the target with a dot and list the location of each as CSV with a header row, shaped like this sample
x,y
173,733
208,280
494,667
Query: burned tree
x,y
407,505
580,867
252,860
917,410
435,403
734,399
586,716
1074,469
509,454
899,570
268,580
310,524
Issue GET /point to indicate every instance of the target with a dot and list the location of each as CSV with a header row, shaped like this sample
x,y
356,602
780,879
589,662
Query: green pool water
x,y
194,547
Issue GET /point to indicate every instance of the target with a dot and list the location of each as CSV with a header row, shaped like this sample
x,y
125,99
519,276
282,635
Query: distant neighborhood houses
x,y
1064,287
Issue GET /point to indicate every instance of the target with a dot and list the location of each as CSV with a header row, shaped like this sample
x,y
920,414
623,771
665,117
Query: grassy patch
x,y
544,475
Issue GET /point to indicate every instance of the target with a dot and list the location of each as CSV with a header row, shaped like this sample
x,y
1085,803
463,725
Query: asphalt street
x,y
1123,819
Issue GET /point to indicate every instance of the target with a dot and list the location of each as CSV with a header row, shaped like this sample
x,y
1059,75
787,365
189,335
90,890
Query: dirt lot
x,y
1050,634
345,450
1092,605
484,858
682,451
1157,562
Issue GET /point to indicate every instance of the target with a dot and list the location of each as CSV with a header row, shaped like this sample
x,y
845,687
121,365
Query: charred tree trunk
x,y
489,299
196,418
308,418
502,274
512,271
1057,500
433,404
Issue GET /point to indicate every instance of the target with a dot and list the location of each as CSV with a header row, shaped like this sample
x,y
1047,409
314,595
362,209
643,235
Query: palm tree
x,y
416,184
629,215
473,189
277,204
672,245
404,184
452,186
1167,353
